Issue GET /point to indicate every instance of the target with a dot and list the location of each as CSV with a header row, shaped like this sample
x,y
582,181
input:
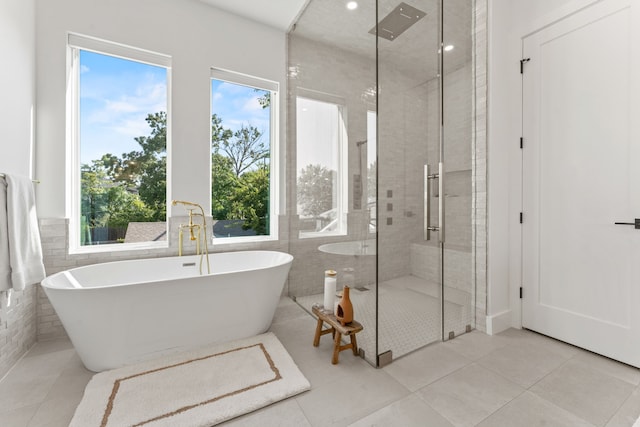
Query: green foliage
x,y
250,201
223,185
240,176
144,171
108,204
315,190
244,147
265,99
132,187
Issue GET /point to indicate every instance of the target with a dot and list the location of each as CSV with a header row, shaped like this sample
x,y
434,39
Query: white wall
x,y
509,22
17,85
196,36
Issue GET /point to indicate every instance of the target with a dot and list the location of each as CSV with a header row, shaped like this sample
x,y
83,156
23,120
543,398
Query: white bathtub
x,y
122,312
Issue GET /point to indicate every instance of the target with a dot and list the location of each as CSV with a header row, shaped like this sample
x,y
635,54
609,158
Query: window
x,y
243,142
117,127
321,167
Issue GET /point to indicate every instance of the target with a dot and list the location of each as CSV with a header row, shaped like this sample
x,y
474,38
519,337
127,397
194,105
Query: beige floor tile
x,y
608,366
283,414
18,417
350,398
627,415
587,393
407,412
469,395
529,410
57,411
475,345
49,346
425,366
525,361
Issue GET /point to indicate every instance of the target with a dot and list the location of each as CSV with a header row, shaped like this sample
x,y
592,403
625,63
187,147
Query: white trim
x,y
342,174
78,41
274,150
499,322
244,79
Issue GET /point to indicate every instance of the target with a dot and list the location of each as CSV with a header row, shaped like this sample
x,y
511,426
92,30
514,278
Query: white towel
x,y
25,250
5,265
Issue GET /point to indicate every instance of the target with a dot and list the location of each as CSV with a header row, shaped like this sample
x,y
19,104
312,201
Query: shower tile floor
x,y
514,379
410,314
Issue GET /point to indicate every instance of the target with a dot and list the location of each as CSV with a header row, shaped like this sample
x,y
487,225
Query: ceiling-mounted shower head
x,y
397,21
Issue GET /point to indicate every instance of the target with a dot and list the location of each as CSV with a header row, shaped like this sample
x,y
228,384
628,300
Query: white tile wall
x,y
17,325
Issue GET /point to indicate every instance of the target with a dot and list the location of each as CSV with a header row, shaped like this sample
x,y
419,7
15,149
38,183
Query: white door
x,y
581,174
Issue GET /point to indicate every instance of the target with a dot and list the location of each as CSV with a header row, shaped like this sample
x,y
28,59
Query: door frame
x,y
509,132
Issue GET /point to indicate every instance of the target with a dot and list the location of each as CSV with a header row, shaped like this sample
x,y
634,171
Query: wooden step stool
x,y
337,330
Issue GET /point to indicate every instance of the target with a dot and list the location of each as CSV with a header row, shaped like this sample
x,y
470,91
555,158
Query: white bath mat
x,y
203,387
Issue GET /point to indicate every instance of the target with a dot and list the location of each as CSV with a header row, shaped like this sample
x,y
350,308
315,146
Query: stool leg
x,y
316,338
354,344
336,348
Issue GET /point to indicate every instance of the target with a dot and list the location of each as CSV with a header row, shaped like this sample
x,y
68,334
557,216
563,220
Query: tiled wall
x,y
17,325
479,165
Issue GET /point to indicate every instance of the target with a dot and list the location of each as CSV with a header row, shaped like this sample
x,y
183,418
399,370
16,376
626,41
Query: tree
x,y
145,171
223,185
240,176
93,188
315,190
245,150
250,201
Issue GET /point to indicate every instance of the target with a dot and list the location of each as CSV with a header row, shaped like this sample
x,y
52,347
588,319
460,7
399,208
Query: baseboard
x,y
499,322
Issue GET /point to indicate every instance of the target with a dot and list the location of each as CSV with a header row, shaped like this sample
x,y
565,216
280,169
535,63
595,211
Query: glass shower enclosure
x,y
380,147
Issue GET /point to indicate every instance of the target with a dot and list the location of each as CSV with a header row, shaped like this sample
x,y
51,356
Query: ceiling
x,y
330,22
413,53
279,14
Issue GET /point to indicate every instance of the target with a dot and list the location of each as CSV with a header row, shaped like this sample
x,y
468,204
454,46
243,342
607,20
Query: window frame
x,y
342,174
273,87
75,43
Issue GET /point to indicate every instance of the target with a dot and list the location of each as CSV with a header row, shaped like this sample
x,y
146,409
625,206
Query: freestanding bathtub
x,y
118,313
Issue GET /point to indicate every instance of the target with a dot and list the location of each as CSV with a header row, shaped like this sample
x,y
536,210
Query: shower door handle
x,y
427,203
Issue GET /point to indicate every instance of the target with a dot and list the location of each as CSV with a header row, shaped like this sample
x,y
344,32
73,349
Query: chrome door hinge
x,y
521,142
522,62
520,292
521,217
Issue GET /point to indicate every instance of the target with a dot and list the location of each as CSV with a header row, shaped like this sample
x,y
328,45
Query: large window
x,y
118,105
243,141
321,167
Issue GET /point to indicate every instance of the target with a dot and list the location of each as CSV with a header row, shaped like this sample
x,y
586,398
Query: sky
x,y
116,95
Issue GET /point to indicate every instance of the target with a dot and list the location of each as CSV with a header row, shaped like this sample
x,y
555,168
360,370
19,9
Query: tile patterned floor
x,y
410,314
516,378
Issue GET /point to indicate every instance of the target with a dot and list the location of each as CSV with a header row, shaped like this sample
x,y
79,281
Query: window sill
x,y
222,241
117,247
315,235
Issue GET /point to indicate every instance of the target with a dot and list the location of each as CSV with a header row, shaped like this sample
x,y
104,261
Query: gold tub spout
x,y
192,236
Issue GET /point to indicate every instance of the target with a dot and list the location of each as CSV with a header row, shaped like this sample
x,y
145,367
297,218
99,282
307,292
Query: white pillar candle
x,y
329,290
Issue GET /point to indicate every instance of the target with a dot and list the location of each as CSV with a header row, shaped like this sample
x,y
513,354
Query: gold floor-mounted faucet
x,y
196,232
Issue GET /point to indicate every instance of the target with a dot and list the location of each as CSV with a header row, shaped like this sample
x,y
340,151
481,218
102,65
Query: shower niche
x,y
375,94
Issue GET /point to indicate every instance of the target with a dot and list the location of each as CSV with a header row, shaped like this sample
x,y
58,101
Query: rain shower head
x,y
398,21
359,143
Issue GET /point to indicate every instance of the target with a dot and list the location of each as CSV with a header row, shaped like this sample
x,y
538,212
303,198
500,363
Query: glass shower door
x,y
409,266
458,285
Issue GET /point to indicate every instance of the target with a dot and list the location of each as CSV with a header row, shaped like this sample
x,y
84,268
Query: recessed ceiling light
x,y
448,48
352,5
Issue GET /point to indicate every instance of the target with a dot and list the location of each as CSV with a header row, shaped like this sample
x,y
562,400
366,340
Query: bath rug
x,y
198,388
